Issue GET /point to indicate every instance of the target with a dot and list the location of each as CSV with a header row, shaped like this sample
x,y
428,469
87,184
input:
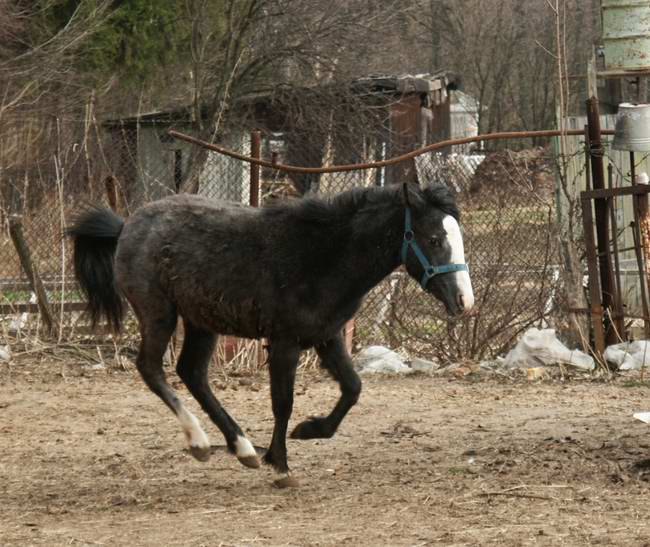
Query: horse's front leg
x,y
283,362
335,358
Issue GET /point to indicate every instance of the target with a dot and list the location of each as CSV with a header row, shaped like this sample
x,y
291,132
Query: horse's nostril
x,y
460,301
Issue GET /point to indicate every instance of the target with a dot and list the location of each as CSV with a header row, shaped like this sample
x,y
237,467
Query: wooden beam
x,y
24,254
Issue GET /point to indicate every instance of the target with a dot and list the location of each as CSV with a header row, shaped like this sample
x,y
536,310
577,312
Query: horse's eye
x,y
436,241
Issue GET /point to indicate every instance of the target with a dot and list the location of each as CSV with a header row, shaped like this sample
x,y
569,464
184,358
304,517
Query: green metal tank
x,y
626,34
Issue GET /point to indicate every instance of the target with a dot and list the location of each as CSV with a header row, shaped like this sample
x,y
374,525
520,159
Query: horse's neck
x,y
374,253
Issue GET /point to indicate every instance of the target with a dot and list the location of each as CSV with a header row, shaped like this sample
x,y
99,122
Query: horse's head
x,y
433,250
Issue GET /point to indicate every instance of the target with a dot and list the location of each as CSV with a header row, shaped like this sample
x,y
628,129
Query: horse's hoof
x,y
286,481
314,428
201,453
250,461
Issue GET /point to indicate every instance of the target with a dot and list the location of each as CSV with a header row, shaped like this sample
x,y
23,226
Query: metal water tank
x,y
632,130
626,34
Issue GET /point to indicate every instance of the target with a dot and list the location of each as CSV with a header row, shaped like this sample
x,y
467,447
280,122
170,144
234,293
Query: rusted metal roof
x,y
435,87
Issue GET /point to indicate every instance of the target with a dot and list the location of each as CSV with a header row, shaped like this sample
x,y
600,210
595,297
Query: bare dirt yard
x,y
93,458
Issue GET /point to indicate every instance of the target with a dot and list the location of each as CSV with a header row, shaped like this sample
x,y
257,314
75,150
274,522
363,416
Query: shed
x,y
412,111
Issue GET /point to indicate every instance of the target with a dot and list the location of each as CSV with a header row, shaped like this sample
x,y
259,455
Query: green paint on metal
x,y
626,34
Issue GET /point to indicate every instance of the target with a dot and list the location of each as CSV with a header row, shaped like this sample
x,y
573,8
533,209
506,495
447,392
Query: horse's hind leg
x,y
156,332
334,357
192,368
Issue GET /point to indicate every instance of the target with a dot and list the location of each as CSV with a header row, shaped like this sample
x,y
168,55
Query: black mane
x,y
325,210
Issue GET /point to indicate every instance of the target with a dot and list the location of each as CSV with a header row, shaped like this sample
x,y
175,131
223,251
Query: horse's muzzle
x,y
455,292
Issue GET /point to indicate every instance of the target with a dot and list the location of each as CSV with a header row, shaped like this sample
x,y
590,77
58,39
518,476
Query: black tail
x,y
95,232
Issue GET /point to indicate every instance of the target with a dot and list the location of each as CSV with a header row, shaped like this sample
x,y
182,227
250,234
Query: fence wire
x,y
507,201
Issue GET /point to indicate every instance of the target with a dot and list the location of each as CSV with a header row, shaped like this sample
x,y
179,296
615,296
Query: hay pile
x,y
524,173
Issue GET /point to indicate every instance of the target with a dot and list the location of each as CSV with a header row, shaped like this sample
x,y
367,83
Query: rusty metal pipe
x,y
382,163
619,319
256,152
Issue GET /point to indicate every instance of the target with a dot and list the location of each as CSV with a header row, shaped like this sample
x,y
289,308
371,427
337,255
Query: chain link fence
x,y
507,201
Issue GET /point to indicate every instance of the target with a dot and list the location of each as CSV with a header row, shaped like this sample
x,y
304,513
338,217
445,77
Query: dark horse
x,y
292,273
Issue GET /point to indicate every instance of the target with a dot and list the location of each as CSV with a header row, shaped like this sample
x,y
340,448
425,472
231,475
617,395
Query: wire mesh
x,y
507,202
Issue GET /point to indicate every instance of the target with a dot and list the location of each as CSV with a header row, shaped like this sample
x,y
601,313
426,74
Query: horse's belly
x,y
221,317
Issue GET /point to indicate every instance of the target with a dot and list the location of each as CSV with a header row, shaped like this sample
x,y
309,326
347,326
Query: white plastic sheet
x,y
629,355
378,359
5,353
542,347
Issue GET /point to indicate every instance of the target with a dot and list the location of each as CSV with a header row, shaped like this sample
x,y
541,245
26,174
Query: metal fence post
x,y
256,152
254,201
602,218
594,285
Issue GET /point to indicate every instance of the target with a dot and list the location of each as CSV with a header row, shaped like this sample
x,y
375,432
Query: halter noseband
x,y
429,270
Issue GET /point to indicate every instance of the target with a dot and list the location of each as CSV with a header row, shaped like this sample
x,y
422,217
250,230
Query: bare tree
x,y
38,63
505,53
274,45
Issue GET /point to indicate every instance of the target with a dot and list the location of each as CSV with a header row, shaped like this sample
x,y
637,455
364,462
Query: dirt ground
x,y
93,458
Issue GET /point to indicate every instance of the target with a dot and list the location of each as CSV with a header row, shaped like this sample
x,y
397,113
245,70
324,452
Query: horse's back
x,y
234,269
196,253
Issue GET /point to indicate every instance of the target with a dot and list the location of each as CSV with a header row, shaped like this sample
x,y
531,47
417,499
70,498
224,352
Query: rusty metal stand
x,y
642,243
608,290
596,306
599,312
619,321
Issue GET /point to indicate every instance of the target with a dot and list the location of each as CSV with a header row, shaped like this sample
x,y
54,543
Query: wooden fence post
x,y
16,233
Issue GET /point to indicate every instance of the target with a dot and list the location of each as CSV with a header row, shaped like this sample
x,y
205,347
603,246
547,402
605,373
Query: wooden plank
x,y
23,284
10,309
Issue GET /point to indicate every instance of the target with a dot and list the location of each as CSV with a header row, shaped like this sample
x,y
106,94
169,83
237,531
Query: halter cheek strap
x,y
429,270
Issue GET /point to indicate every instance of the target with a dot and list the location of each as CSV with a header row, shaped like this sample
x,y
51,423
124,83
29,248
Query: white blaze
x,y
455,239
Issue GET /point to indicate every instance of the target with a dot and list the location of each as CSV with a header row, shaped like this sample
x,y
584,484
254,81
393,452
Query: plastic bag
x,y
629,355
374,359
541,346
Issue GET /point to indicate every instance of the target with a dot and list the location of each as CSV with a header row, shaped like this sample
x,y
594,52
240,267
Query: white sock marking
x,y
244,448
455,239
192,428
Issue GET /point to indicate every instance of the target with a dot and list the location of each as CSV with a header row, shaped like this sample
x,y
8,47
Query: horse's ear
x,y
405,195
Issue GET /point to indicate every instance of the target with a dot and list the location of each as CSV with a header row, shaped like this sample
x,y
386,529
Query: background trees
x,y
143,55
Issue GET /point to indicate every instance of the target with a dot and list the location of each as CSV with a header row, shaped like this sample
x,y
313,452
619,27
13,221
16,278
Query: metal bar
x,y
254,201
619,318
256,152
382,163
624,249
594,284
636,232
644,236
587,311
587,158
602,219
607,193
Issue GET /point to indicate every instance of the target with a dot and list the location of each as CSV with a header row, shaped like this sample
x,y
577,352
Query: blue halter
x,y
429,270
